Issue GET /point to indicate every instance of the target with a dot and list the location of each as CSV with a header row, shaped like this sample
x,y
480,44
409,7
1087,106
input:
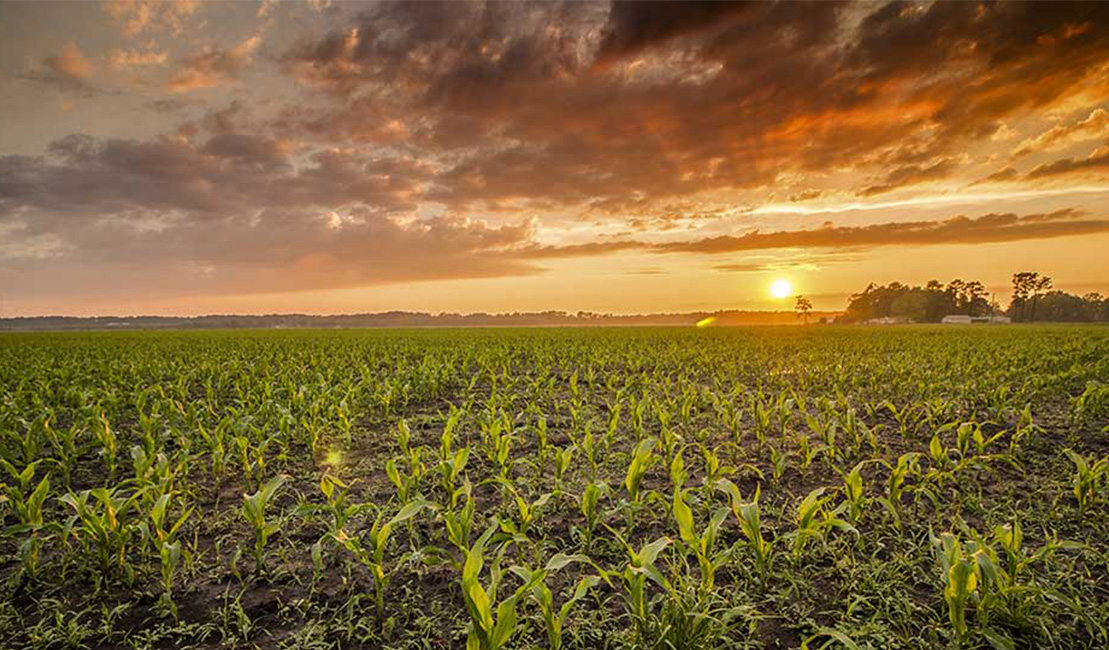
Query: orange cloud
x,y
213,66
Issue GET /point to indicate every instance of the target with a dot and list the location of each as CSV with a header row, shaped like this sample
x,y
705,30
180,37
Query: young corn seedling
x,y
562,460
408,481
167,545
589,504
104,527
826,430
460,522
27,504
907,465
109,445
589,446
527,512
65,442
779,462
643,458
634,575
960,572
372,555
715,470
807,451
214,440
1088,475
492,624
859,431
813,521
252,457
254,512
747,512
855,500
554,620
451,462
1024,428
907,417
708,559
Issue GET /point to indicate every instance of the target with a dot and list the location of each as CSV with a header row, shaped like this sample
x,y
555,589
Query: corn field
x,y
596,488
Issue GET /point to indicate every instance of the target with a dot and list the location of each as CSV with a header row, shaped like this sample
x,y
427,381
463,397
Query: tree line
x,y
1033,300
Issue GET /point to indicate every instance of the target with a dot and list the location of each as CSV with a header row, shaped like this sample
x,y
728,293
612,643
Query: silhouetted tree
x,y
803,307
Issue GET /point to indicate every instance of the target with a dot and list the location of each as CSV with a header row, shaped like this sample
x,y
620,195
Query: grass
x,y
917,487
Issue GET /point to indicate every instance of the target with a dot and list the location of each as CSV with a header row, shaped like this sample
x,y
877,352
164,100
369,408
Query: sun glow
x,y
781,289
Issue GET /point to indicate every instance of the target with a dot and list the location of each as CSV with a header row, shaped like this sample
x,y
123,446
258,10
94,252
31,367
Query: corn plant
x,y
109,445
639,568
407,481
28,506
562,459
643,458
589,504
747,512
703,544
960,572
165,542
1024,428
825,429
492,623
589,447
451,463
254,512
459,521
907,465
814,521
101,524
372,554
554,620
855,500
527,512
65,442
1088,474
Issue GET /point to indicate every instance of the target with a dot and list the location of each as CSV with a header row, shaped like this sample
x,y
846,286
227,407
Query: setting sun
x,y
781,289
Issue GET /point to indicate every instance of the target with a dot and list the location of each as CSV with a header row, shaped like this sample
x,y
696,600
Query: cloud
x,y
1094,126
213,66
1097,162
911,175
229,213
134,17
986,229
461,127
68,70
633,27
125,59
990,228
575,104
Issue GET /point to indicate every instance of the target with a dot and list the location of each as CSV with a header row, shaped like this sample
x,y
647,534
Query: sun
x,y
781,289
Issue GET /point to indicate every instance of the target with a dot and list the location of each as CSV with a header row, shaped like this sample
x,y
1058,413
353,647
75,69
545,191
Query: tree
x,y
803,308
912,305
1041,286
1028,287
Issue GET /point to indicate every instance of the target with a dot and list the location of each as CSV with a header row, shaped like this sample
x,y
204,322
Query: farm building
x,y
963,319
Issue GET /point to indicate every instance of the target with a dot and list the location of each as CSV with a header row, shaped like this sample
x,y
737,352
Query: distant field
x,y
914,487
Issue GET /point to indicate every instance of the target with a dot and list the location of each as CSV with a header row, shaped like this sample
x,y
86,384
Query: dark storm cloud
x,y
720,95
633,27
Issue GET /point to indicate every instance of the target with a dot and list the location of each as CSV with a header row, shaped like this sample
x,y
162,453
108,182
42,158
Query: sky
x,y
186,158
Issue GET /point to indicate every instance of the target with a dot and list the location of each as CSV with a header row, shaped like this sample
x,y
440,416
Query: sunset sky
x,y
200,157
